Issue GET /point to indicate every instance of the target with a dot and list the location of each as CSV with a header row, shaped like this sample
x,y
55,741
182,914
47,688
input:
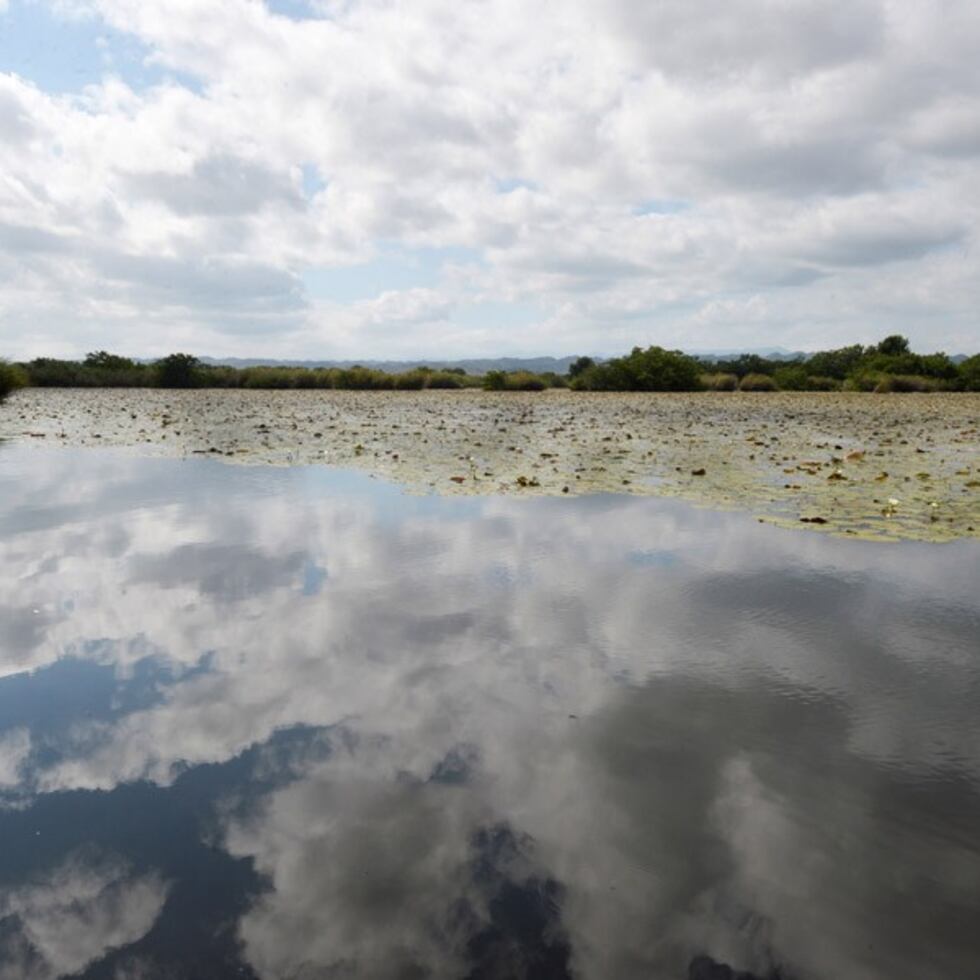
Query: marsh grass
x,y
757,382
907,383
881,383
719,381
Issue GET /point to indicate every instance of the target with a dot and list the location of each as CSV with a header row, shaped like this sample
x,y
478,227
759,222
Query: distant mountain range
x,y
480,365
472,365
476,365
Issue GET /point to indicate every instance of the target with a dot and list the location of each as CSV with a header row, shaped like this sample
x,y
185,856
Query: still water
x,y
295,723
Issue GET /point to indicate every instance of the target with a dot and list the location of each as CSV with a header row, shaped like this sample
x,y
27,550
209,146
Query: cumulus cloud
x,y
270,146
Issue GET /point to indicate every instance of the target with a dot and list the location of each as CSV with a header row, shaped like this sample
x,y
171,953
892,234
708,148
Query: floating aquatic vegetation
x,y
847,454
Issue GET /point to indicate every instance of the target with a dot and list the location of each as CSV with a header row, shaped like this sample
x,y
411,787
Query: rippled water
x,y
294,723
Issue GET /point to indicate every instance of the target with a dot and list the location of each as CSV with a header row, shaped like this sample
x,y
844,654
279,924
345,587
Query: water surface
x,y
295,723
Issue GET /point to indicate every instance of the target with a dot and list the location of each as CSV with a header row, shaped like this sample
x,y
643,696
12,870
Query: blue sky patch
x,y
62,54
313,183
293,9
507,184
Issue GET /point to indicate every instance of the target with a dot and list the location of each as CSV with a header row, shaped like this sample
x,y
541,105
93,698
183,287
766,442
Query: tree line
x,y
887,366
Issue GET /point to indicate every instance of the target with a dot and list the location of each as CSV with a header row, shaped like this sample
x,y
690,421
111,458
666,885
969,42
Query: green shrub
x,y
815,382
653,369
12,377
524,381
862,381
445,379
579,366
910,365
261,376
178,371
360,378
495,381
796,377
515,381
218,376
906,383
411,381
719,381
894,344
969,374
757,382
50,372
100,369
792,377
837,363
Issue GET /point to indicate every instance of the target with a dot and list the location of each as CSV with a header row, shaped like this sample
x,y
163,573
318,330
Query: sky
x,y
453,178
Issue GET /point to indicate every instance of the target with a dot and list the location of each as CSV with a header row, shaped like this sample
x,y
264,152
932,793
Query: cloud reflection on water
x,y
762,745
57,925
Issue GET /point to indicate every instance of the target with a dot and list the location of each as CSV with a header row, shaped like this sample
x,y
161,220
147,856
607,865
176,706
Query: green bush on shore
x,y
719,381
757,382
908,382
12,377
522,381
814,382
969,374
653,369
883,383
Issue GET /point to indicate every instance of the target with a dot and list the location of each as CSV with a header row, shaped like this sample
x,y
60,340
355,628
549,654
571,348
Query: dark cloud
x,y
750,37
218,186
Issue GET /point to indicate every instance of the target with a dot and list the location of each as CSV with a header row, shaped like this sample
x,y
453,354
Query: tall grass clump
x,y
907,383
411,381
359,378
883,383
814,382
524,381
757,382
445,379
515,381
719,381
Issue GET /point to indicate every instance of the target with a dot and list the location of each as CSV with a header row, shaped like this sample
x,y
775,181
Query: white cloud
x,y
825,157
15,746
70,917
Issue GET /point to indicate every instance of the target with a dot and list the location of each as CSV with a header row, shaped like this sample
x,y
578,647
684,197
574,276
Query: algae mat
x,y
876,466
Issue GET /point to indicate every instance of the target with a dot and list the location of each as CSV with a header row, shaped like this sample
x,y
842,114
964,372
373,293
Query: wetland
x,y
881,466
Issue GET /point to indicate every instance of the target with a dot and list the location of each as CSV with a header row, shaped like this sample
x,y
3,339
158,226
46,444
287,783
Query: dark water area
x,y
295,723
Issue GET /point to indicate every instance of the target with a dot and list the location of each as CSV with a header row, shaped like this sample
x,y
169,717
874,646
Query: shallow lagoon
x,y
294,722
